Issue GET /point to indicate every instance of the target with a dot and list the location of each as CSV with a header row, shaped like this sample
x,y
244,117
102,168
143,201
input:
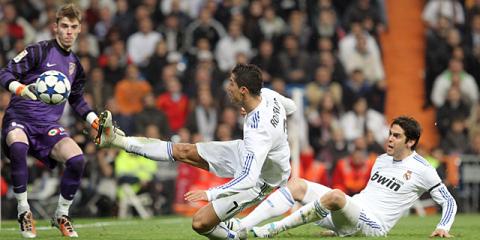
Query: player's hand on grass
x,y
441,233
196,195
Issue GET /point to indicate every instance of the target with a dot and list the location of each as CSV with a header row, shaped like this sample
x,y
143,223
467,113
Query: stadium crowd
x,y
161,68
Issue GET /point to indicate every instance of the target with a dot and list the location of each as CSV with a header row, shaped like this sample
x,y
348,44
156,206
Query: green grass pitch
x,y
411,227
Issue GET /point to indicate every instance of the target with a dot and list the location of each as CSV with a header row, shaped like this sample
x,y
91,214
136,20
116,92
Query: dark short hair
x,y
411,127
70,11
249,76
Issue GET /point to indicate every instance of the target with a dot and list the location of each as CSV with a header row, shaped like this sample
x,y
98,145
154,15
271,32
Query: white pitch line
x,y
101,224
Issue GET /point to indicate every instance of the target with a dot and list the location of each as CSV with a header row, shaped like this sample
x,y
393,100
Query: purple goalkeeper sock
x,y
71,177
18,158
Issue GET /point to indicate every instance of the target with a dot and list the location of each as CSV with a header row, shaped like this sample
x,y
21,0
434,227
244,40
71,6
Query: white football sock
x,y
63,206
278,203
22,202
310,194
311,212
151,148
220,232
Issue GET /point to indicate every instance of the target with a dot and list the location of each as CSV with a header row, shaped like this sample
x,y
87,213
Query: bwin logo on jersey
x,y
393,183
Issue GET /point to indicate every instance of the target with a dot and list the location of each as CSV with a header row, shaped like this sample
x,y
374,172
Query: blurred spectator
x,y
99,89
454,76
18,27
456,138
174,104
124,19
204,27
87,41
157,61
293,61
364,11
473,123
130,91
203,117
328,59
474,146
230,117
297,27
352,173
151,115
229,46
322,83
348,43
451,9
334,150
271,25
326,26
361,119
113,70
355,87
251,25
172,33
265,60
453,106
102,26
367,60
436,52
321,129
6,41
141,45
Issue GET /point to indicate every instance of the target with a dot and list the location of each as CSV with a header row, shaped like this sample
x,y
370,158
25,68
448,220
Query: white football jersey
x,y
266,152
395,185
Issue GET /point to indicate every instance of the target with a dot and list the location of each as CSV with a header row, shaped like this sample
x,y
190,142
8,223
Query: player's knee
x,y
184,151
199,224
297,187
333,200
76,163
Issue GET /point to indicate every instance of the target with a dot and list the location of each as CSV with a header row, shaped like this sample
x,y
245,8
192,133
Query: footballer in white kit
x,y
398,178
258,163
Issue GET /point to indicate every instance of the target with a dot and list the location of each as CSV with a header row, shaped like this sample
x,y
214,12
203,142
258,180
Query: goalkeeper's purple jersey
x,y
27,66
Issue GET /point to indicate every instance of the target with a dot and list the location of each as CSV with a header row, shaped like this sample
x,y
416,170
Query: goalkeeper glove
x,y
25,91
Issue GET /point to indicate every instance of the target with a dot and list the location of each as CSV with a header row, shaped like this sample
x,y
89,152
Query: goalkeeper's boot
x,y
107,132
27,225
266,231
65,224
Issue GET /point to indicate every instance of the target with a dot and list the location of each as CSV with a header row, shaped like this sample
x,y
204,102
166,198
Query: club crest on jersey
x,y
407,175
71,68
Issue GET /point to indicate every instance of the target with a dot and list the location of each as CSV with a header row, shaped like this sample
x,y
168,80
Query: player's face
x,y
67,31
397,147
234,92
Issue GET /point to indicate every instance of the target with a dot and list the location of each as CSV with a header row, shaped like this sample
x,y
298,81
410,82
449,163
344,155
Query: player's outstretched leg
x,y
155,149
311,212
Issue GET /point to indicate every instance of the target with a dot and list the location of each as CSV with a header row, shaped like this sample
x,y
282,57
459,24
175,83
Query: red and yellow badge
x,y
71,68
407,175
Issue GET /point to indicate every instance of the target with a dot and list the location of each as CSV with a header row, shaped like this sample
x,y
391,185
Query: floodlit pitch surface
x,y
411,227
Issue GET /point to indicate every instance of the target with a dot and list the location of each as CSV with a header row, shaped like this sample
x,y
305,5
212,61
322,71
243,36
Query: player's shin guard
x,y
18,157
275,205
70,183
311,212
221,232
151,148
